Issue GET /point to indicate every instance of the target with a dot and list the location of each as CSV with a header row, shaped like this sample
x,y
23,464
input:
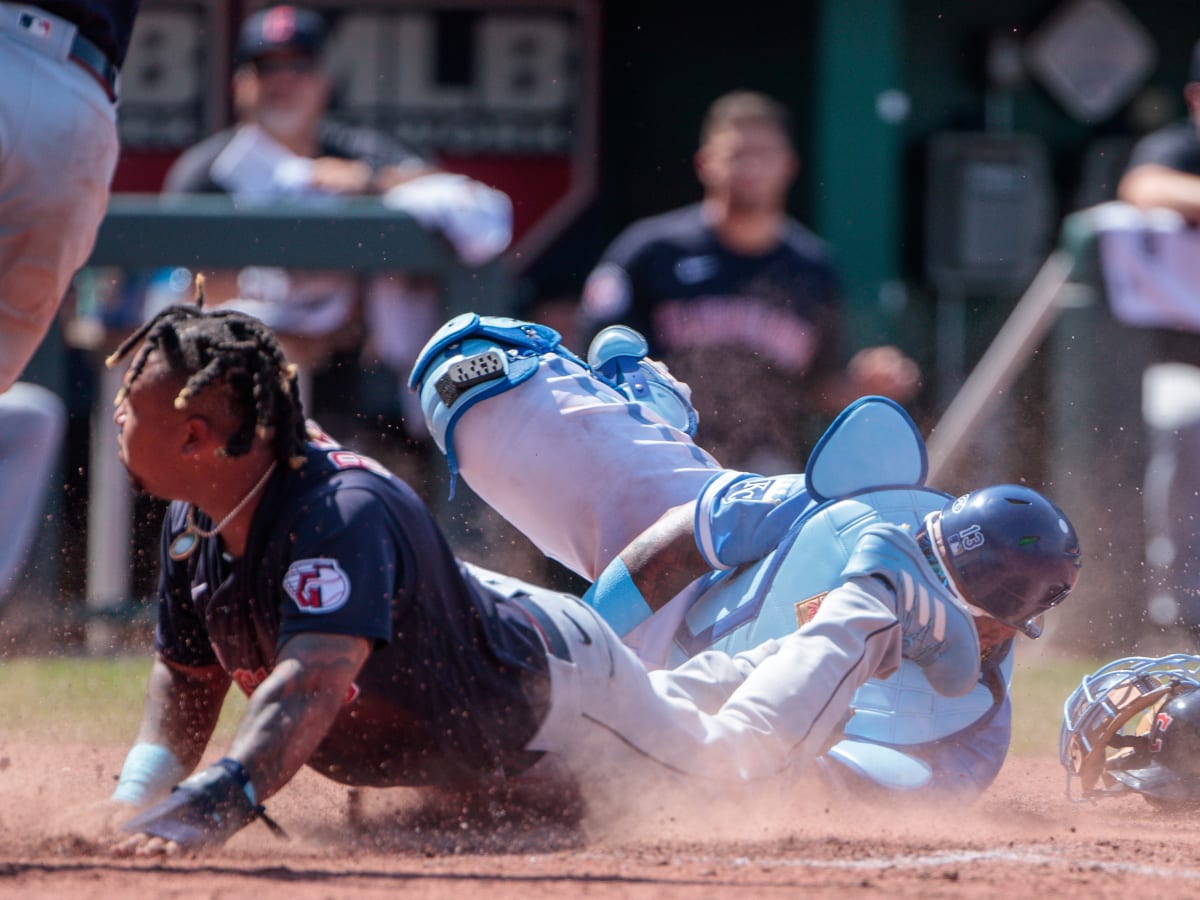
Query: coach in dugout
x,y
1164,173
285,146
742,301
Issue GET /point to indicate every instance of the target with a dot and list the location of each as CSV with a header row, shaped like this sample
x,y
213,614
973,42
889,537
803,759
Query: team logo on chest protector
x,y
317,585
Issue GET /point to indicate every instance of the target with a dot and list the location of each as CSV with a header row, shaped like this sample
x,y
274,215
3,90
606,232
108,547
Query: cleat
x,y
938,630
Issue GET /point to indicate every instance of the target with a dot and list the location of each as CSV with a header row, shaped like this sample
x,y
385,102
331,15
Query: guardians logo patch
x,y
317,586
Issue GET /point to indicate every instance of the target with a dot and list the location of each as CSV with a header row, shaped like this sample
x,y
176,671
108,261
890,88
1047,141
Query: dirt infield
x,y
1023,839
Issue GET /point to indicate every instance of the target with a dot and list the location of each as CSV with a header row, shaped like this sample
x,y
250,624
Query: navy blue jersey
x,y
671,278
341,546
106,23
191,173
754,336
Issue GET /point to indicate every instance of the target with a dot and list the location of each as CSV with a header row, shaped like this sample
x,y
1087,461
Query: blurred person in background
x,y
285,145
1163,173
740,300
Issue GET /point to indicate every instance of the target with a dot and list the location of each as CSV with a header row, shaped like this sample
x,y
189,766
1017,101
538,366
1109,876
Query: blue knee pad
x,y
471,358
618,355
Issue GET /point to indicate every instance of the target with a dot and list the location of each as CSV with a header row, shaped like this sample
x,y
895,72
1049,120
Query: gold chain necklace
x,y
185,543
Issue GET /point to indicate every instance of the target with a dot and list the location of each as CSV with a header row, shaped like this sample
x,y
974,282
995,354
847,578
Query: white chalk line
x,y
956,857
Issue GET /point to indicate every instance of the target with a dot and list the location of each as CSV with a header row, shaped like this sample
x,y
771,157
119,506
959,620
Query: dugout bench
x,y
200,233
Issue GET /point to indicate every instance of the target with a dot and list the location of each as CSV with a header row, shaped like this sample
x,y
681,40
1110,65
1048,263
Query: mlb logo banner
x,y
504,93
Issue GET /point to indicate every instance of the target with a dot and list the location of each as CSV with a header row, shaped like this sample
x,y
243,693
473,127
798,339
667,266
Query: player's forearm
x,y
664,559
290,713
182,707
389,177
1158,187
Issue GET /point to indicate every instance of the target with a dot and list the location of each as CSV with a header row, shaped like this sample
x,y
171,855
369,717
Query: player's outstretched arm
x,y
664,559
1152,186
183,704
287,717
291,712
653,568
181,711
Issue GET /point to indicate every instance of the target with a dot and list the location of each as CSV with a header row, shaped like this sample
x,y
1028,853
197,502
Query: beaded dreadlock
x,y
233,348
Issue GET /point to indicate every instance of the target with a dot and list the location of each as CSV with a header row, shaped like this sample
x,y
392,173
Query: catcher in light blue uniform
x,y
751,558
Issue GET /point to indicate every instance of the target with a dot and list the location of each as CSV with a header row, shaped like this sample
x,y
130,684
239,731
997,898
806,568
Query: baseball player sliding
x,y
687,557
316,581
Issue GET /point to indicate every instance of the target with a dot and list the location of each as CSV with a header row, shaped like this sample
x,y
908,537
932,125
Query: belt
x,y
96,63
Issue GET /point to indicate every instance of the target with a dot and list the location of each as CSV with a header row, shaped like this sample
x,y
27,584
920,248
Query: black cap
x,y
278,28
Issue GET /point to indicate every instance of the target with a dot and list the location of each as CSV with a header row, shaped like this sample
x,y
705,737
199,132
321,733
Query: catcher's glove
x,y
204,810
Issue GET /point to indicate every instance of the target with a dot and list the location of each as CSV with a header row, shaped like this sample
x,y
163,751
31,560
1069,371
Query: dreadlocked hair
x,y
230,348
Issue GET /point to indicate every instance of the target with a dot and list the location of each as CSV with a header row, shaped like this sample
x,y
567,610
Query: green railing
x,y
361,235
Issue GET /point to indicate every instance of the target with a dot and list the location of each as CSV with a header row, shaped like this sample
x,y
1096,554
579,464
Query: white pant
x,y
759,714
58,150
574,466
32,421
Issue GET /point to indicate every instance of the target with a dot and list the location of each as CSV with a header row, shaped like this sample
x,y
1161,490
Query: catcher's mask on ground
x,y
1008,551
1134,725
1165,767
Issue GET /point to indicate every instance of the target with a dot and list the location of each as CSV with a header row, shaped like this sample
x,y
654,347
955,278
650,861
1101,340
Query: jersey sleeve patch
x,y
317,586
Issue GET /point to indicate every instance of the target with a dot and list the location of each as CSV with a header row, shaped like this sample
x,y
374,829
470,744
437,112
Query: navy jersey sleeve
x,y
616,286
342,573
180,636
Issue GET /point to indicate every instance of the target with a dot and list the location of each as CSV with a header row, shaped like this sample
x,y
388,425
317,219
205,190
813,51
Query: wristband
x,y
149,770
617,599
238,771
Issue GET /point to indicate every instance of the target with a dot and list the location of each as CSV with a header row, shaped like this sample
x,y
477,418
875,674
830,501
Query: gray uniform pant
x,y
755,715
32,420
